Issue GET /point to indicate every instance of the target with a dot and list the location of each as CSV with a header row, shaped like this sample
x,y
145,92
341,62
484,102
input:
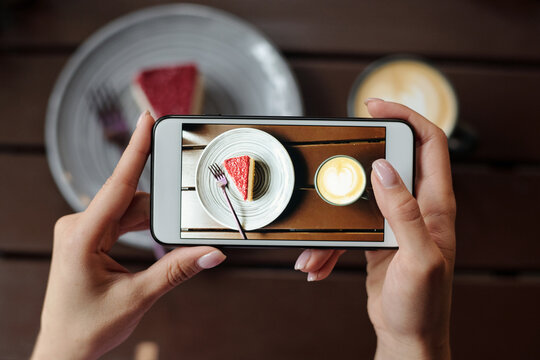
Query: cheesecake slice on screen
x,y
169,90
242,170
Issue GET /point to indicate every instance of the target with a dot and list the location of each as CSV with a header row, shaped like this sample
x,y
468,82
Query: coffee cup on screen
x,y
340,180
409,81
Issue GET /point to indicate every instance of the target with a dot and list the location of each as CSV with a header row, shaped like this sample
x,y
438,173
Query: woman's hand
x,y
409,290
92,303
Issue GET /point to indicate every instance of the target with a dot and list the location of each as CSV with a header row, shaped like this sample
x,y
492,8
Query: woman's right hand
x,y
409,290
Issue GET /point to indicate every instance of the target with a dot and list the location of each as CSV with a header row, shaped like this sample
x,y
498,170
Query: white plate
x,y
244,75
274,178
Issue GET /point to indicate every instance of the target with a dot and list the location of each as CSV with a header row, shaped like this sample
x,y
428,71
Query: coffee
x,y
411,82
340,180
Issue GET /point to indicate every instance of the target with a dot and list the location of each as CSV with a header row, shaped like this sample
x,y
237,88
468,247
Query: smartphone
x,y
291,181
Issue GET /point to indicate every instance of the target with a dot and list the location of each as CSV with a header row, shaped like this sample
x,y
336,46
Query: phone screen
x,y
285,182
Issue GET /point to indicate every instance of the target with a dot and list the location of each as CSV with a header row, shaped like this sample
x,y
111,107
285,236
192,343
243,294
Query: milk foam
x,y
412,83
341,180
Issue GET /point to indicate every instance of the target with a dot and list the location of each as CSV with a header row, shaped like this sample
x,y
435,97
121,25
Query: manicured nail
x,y
368,100
211,260
312,276
385,173
302,260
143,114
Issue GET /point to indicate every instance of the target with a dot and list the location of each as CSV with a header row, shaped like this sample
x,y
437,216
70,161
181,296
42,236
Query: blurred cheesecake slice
x,y
242,170
169,90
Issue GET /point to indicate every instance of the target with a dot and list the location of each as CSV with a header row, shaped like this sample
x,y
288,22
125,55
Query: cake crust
x,y
251,178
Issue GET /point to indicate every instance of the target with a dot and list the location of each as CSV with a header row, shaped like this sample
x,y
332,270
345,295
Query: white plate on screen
x,y
244,75
273,183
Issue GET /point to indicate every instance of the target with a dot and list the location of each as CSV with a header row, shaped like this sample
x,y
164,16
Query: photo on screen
x,y
285,182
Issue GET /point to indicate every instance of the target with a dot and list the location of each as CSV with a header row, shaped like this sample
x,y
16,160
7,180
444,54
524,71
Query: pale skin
x,y
92,303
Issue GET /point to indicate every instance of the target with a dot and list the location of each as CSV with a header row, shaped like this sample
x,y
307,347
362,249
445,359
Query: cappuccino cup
x,y
409,81
340,180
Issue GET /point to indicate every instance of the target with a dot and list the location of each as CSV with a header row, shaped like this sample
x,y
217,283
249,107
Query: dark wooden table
x,y
255,306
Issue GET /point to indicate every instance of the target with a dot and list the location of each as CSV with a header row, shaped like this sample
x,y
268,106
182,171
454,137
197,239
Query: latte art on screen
x,y
340,180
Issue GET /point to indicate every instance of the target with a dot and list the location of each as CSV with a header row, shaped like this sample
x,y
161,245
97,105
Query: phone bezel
x,y
166,158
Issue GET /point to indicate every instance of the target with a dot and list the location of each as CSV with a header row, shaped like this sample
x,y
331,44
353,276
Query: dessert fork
x,y
105,103
221,179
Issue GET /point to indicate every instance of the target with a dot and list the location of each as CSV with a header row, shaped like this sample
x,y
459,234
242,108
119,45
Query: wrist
x,y
50,347
392,347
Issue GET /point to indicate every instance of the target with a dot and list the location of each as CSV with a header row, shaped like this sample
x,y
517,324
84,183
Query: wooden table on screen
x,y
307,216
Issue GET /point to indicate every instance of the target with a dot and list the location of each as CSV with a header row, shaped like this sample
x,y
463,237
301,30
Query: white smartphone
x,y
290,181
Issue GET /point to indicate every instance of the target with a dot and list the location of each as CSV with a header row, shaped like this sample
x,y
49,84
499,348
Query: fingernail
x,y
143,114
385,173
368,100
302,260
211,260
312,276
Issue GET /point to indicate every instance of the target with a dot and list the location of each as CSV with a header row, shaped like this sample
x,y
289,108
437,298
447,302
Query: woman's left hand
x,y
93,303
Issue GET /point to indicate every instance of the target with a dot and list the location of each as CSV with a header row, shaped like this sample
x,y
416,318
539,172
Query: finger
x,y
115,196
432,149
136,218
176,267
424,129
326,269
434,181
401,209
137,215
312,259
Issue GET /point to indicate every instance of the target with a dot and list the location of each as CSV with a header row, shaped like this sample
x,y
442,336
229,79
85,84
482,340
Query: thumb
x,y
176,267
400,208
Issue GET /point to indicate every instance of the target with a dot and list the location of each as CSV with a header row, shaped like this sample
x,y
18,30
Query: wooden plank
x,y
284,257
483,93
325,85
31,204
306,159
254,306
484,104
230,313
297,235
492,30
497,216
483,107
494,318
306,211
197,135
30,196
487,199
26,85
22,284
